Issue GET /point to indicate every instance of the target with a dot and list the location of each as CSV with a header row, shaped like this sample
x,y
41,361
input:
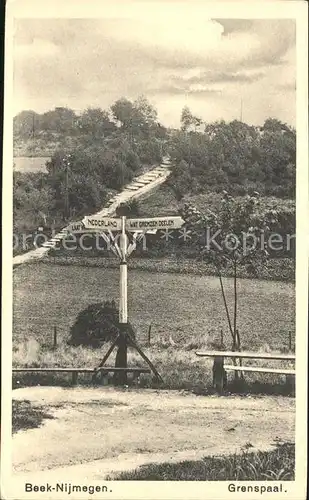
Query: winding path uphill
x,y
140,186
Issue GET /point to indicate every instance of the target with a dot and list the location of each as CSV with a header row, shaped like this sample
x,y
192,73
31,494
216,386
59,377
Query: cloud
x,y
206,77
235,25
183,90
38,47
172,58
287,86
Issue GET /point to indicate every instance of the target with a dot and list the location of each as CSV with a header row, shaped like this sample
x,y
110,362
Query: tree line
x,y
233,156
107,148
135,118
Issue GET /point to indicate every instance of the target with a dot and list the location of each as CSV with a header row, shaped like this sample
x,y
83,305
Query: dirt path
x,y
98,431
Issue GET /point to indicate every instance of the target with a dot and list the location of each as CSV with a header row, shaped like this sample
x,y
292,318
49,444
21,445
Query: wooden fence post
x,y
290,380
149,335
239,348
55,338
74,378
218,373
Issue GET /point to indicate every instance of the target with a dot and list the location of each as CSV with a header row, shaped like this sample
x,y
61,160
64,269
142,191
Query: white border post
x,y
121,358
123,298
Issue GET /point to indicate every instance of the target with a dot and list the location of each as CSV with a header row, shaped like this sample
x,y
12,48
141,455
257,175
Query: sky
x,y
174,59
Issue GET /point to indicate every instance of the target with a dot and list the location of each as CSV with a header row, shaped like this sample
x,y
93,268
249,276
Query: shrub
x,y
97,324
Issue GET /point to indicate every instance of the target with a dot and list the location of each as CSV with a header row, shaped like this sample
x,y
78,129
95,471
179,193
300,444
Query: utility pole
x,y
66,189
241,109
33,133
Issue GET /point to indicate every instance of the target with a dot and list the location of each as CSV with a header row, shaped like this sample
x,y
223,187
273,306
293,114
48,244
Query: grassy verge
x,y
276,465
25,416
179,368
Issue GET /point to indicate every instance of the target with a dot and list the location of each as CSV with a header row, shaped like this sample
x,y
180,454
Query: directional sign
x,y
102,223
154,223
76,227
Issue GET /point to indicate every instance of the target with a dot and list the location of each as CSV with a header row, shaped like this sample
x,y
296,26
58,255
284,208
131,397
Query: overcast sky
x,y
174,60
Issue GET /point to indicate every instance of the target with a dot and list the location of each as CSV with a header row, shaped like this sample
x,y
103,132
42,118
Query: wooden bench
x,y
219,368
75,371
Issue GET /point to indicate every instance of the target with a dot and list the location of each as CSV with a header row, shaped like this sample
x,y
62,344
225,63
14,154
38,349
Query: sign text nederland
x,y
133,224
102,223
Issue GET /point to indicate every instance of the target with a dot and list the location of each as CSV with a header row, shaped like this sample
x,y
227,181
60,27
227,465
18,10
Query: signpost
x,y
154,223
122,354
77,228
103,223
132,225
139,227
123,308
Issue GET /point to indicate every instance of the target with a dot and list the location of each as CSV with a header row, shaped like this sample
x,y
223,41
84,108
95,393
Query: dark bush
x,y
97,324
131,208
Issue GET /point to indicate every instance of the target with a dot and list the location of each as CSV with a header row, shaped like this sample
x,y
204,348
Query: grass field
x,y
187,308
185,311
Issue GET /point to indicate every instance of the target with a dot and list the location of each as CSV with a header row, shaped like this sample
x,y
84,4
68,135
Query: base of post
x,y
122,356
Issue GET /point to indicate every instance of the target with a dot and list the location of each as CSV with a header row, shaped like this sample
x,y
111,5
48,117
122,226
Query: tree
x,y
146,110
122,111
76,180
181,179
160,131
138,118
96,123
197,122
26,124
278,158
274,125
61,120
146,114
237,157
235,236
85,174
32,198
188,120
